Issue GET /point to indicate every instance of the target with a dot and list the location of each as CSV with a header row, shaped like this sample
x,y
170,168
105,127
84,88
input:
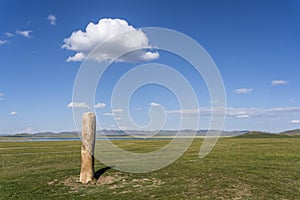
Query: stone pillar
x,y
87,148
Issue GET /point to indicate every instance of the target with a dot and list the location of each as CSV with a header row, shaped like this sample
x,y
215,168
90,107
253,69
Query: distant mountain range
x,y
75,134
105,132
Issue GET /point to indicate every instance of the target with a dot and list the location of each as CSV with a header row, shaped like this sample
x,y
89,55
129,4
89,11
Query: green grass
x,y
237,168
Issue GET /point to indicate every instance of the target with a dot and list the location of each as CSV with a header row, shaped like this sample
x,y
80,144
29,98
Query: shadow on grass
x,y
100,172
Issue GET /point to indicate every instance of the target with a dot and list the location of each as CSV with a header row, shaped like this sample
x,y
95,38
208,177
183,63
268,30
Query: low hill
x,y
295,132
260,134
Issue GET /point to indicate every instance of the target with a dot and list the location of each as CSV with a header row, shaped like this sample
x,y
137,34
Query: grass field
x,y
237,168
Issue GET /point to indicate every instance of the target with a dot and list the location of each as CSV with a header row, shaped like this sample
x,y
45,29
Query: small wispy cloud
x,y
3,42
8,34
279,82
52,19
1,95
239,112
108,114
27,130
153,104
295,121
99,105
24,33
13,113
77,105
117,110
242,116
243,90
118,119
114,112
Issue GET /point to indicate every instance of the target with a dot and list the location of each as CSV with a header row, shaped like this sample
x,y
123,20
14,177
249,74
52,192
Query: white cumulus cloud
x,y
150,55
77,57
99,105
279,82
243,90
295,121
122,38
52,19
13,113
77,105
24,33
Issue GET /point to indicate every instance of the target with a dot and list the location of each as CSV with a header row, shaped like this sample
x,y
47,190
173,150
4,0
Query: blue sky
x,y
255,45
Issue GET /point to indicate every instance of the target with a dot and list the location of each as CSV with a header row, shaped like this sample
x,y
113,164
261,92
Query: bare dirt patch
x,y
241,191
105,180
110,181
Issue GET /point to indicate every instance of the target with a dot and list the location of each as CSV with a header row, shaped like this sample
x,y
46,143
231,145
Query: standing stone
x,y
87,148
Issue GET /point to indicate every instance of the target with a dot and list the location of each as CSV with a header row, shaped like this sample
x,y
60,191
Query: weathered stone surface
x,y
87,148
